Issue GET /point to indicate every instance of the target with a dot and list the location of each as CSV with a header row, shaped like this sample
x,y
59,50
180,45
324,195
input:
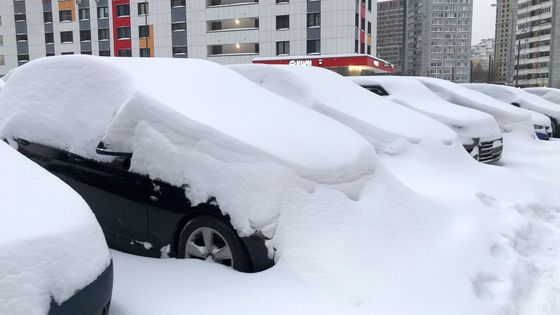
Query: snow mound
x,y
388,126
549,94
509,117
409,92
50,242
511,95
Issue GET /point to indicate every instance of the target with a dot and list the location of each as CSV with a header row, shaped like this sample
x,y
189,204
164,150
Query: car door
x,y
116,196
52,159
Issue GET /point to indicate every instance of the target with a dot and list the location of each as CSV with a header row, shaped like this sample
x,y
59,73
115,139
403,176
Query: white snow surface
x,y
511,94
508,116
549,94
69,113
387,125
409,92
50,243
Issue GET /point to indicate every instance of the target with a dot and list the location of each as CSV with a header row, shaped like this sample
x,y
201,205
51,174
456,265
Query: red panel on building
x,y
364,61
123,21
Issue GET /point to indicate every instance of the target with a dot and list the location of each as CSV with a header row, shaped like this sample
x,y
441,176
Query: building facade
x,y
224,31
390,32
438,39
538,43
506,12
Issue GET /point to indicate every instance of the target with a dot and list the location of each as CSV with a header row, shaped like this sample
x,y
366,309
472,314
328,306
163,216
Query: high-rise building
x,y
506,11
225,31
538,43
438,34
390,32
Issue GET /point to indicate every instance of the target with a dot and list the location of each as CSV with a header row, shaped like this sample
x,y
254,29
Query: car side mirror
x,y
102,150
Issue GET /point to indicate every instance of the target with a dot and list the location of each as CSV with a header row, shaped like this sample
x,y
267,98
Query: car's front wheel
x,y
211,239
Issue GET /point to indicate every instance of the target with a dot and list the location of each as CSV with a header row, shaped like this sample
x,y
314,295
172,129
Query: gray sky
x,y
484,19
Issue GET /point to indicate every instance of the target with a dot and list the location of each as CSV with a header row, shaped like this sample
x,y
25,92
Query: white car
x,y
388,126
508,117
53,256
549,94
523,99
478,131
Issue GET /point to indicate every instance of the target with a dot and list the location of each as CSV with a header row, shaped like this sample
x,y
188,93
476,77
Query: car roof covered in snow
x,y
549,94
382,122
511,95
504,113
73,102
50,242
408,91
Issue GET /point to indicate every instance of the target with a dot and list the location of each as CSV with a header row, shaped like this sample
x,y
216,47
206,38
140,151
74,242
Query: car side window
x,y
377,90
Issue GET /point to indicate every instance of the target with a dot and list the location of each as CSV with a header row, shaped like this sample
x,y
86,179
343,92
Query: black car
x,y
150,217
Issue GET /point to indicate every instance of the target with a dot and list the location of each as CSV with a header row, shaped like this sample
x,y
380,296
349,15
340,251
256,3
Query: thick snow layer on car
x,y
539,119
387,125
509,117
407,91
549,94
50,242
44,102
511,95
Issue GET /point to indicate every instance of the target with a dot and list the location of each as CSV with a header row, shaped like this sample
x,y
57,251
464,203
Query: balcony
x,y
232,25
218,3
233,49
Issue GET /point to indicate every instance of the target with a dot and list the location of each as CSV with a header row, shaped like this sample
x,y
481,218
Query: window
x,y
50,54
282,48
84,14
313,46
66,37
1,40
282,1
123,32
103,12
357,20
105,53
123,10
143,31
282,22
103,34
144,52
142,8
23,58
20,17
313,19
181,50
362,48
369,49
85,35
125,53
178,26
369,5
47,17
217,50
369,27
86,52
49,38
363,26
21,37
2,60
177,3
67,53
65,15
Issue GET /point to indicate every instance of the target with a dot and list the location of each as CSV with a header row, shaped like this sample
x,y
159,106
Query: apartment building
x,y
538,43
390,32
504,47
224,31
438,39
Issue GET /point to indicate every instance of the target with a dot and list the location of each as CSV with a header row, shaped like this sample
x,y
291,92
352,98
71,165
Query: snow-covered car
x,y
523,99
168,165
388,126
479,132
549,94
508,117
53,256
541,124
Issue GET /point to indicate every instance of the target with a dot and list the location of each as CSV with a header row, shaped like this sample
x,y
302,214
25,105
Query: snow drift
x,y
50,243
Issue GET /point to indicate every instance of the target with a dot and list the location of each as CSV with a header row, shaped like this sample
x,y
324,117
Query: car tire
x,y
209,238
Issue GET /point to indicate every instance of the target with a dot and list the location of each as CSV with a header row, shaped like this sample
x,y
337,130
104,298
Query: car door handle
x,y
154,198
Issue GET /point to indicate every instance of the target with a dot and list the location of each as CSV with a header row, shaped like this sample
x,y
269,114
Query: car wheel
x,y
211,239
